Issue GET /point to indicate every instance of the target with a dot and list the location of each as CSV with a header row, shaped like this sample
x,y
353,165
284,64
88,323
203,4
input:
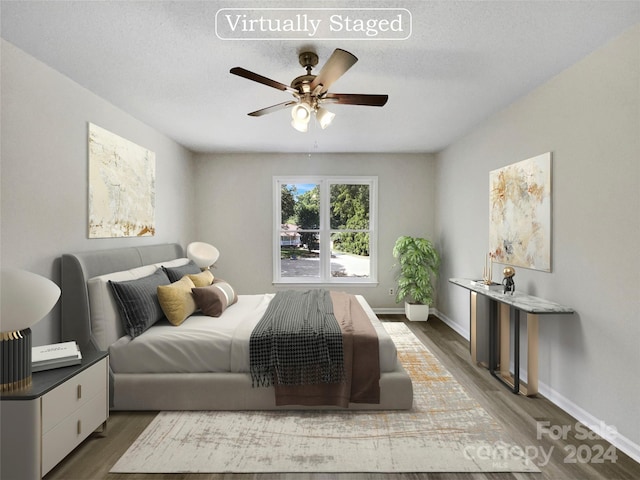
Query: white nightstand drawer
x,y
65,399
43,423
68,434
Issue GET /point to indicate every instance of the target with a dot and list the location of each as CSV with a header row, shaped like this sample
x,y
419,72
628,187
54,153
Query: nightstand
x,y
42,424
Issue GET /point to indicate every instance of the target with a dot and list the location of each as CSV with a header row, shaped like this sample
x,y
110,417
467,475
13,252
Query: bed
x,y
156,371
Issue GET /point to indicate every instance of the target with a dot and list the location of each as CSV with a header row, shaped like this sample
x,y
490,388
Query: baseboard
x,y
459,329
432,311
596,425
389,311
400,311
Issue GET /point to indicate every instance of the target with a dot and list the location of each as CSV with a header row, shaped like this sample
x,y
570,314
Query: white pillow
x,y
178,262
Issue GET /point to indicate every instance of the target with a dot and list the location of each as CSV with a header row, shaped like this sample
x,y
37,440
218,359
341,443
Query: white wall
x,y
589,118
44,172
235,211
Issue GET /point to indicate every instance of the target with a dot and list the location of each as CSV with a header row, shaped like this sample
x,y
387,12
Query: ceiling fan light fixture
x,y
324,117
301,115
300,126
301,112
310,91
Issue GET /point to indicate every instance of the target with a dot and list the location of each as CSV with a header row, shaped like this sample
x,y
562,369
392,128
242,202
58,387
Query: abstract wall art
x,y
121,186
520,213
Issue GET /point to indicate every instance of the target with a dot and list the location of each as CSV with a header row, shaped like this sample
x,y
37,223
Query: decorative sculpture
x,y
509,284
487,272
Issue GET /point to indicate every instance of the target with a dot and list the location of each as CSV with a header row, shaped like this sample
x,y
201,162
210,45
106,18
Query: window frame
x,y
325,232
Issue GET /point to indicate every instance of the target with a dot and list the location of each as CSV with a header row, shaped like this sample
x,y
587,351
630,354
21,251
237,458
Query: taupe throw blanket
x,y
297,342
361,362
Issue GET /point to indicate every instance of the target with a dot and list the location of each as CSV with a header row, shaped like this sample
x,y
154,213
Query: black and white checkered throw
x,y
297,342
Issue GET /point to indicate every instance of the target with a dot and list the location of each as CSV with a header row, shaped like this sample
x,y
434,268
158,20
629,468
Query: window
x,y
325,230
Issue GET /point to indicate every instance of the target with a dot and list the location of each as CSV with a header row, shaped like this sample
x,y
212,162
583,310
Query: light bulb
x,y
301,114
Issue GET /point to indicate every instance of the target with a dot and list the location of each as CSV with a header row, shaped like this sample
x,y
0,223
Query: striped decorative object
x,y
15,355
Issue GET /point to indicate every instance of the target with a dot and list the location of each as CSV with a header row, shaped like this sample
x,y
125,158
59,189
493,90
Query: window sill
x,y
298,283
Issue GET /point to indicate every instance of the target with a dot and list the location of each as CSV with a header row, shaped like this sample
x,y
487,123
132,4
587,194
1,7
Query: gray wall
x,y
235,211
44,172
588,117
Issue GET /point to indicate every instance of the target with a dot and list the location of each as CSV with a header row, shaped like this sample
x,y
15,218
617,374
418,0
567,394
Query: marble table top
x,y
519,300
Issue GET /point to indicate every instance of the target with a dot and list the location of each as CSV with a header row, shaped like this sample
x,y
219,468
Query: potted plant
x,y
419,263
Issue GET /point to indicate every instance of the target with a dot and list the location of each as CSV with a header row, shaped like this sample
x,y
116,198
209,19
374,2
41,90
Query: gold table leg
x,y
529,389
505,329
474,321
532,354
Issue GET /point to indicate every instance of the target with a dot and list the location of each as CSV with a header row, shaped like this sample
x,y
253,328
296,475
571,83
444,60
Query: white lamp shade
x,y
26,299
300,126
203,254
301,112
324,117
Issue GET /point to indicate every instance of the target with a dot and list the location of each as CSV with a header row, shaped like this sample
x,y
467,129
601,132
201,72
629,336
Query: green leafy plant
x,y
419,263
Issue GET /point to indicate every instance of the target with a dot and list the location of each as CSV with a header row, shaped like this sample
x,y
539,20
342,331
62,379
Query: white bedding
x,y
209,344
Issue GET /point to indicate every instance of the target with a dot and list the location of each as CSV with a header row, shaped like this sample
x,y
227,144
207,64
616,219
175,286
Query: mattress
x,y
205,344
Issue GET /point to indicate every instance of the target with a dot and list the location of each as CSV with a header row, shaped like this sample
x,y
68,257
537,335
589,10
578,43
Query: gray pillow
x,y
138,301
176,273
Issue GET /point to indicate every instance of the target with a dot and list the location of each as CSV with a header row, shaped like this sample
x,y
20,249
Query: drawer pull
x,y
79,392
79,427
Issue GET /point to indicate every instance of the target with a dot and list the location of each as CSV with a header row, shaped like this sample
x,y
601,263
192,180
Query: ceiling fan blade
x,y
339,62
356,99
272,108
241,72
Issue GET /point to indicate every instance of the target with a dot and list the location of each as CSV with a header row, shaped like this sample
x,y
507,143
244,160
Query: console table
x,y
503,308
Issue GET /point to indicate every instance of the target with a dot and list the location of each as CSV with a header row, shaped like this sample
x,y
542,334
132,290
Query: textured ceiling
x,y
162,62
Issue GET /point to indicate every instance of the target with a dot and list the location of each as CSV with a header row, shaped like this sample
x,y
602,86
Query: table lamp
x,y
202,254
26,299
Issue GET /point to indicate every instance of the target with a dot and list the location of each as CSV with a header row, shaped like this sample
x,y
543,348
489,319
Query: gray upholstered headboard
x,y
77,268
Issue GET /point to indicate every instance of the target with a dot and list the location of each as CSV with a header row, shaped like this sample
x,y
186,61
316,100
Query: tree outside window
x,y
325,229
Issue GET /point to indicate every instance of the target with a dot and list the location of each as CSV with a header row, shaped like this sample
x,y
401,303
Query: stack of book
x,y
487,286
56,355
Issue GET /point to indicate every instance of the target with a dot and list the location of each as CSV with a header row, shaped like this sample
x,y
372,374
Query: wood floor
x,y
573,458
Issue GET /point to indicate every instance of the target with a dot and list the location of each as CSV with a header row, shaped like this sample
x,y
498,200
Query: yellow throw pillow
x,y
177,300
202,279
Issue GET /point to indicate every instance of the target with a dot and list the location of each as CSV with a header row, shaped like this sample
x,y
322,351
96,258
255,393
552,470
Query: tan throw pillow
x,y
214,299
176,300
202,279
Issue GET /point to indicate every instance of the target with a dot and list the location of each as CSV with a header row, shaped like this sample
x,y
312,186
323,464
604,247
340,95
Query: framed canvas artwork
x,y
520,214
121,186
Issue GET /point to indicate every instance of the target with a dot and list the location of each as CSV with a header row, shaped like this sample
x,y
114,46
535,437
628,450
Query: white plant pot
x,y
416,312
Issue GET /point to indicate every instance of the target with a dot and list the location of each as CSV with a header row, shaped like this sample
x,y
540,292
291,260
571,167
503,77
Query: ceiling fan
x,y
311,92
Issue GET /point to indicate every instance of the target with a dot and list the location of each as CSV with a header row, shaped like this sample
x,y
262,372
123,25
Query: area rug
x,y
445,431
